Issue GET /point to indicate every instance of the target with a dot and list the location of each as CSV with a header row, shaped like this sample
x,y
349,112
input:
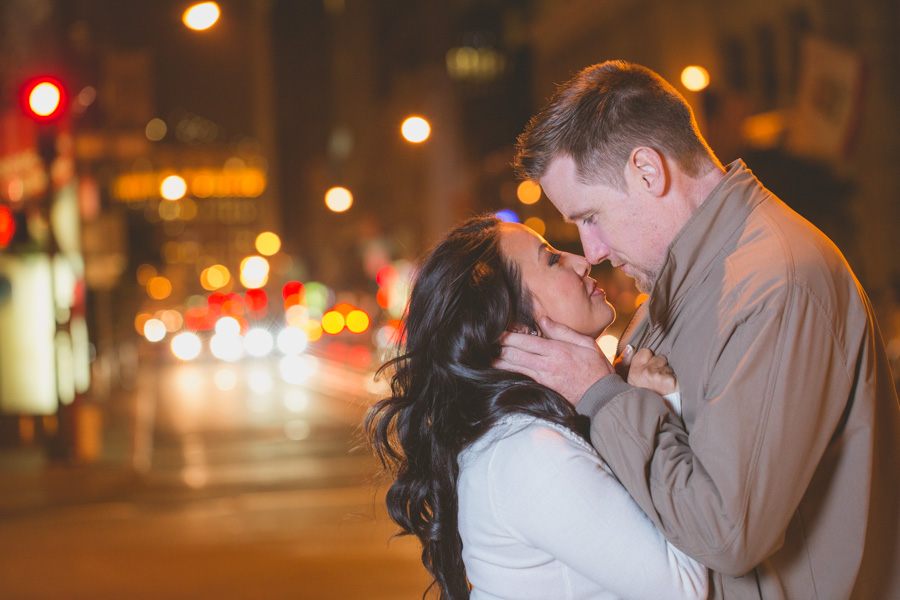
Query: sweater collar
x,y
704,235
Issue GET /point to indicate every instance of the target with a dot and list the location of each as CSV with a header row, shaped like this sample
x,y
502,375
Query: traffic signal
x,y
44,99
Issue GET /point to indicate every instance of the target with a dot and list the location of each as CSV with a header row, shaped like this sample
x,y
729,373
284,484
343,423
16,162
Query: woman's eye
x,y
554,258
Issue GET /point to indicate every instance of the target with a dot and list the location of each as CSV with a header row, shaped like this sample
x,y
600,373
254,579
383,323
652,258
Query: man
x,y
783,476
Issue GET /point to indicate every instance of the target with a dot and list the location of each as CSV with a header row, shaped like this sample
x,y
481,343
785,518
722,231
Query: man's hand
x,y
565,361
652,372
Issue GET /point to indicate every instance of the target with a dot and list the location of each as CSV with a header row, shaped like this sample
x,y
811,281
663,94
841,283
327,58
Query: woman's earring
x,y
533,332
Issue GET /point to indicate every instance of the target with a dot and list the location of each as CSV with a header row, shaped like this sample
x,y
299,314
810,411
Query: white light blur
x,y
296,400
154,330
260,381
186,346
201,16
292,340
228,326
297,369
608,344
258,403
226,347
258,342
225,379
415,129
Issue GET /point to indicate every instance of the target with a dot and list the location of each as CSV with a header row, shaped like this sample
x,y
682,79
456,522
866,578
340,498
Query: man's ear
x,y
646,171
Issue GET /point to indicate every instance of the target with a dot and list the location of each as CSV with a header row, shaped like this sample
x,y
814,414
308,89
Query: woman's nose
x,y
579,264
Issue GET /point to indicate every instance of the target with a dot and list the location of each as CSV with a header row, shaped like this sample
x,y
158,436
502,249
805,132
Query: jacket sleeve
x,y
552,494
774,397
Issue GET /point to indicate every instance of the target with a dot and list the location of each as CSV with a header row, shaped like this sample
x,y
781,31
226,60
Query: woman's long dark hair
x,y
446,394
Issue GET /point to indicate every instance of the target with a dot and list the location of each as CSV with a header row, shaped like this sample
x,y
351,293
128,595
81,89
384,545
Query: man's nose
x,y
594,250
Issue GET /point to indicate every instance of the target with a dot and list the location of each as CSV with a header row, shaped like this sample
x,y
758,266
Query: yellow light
x,y
528,192
215,277
44,99
695,78
173,187
333,322
415,129
536,224
159,288
254,272
357,321
338,199
641,298
268,243
201,16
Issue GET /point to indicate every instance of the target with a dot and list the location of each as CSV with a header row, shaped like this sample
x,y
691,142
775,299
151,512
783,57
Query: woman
x,y
493,471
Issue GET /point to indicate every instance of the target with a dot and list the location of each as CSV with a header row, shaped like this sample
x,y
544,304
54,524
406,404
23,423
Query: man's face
x,y
614,225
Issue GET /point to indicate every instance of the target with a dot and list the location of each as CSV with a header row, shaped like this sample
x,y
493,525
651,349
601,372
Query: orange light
x,y
344,308
528,192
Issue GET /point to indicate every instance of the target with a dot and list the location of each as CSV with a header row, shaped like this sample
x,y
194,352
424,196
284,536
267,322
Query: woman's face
x,y
558,281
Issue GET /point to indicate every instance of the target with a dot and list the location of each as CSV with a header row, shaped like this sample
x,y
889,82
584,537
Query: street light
x,y
202,16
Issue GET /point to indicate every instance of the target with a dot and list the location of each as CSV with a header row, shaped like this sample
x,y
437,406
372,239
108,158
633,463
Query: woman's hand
x,y
652,372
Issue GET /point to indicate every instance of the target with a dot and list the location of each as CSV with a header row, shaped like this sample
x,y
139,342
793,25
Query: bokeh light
x,y
536,224
268,243
338,199
254,272
186,346
258,342
507,216
159,288
528,192
333,322
415,129
291,340
154,330
608,344
357,321
173,187
201,16
695,78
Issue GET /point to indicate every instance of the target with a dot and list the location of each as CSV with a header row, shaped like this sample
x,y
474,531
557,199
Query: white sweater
x,y
542,517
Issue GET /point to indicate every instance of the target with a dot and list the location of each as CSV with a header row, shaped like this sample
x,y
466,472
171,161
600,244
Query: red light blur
x,y
7,226
56,112
387,275
293,288
256,300
199,318
359,357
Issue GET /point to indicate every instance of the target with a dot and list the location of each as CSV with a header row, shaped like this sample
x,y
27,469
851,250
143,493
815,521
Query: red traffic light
x,y
44,99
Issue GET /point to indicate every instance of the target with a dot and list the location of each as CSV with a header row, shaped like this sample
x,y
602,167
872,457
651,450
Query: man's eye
x,y
587,220
554,258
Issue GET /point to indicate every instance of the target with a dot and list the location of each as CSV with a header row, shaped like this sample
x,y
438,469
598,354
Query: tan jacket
x,y
785,482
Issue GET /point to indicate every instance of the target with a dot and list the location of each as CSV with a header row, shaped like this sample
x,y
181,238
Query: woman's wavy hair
x,y
446,394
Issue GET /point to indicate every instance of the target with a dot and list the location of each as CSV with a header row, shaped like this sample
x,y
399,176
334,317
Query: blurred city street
x,y
201,493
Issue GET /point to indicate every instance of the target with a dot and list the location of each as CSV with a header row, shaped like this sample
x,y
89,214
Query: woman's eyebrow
x,y
545,247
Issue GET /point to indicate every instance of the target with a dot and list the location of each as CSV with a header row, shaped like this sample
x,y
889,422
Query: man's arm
x,y
774,398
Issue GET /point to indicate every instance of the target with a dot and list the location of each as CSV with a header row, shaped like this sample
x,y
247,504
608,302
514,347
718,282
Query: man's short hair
x,y
601,115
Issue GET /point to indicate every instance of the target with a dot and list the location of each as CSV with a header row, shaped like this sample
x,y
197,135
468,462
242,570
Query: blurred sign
x,y
828,101
27,352
202,183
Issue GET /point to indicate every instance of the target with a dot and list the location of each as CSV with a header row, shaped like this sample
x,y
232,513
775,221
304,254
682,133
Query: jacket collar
x,y
704,235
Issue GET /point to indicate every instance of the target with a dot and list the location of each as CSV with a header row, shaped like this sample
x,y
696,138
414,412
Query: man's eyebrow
x,y
577,216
